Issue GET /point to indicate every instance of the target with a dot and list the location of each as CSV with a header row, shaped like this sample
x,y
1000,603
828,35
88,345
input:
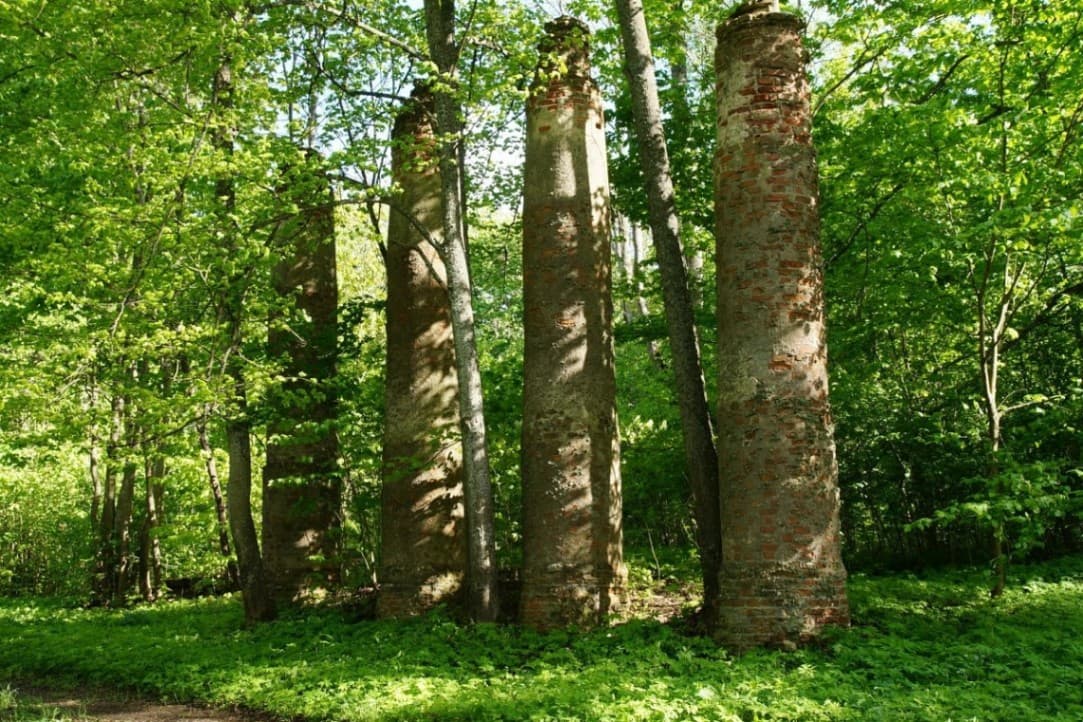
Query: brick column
x,y
572,565
302,487
782,577
422,530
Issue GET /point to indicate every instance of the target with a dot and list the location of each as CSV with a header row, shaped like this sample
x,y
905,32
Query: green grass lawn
x,y
929,647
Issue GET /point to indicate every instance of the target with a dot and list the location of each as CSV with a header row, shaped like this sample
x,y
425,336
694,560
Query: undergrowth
x,y
16,706
931,647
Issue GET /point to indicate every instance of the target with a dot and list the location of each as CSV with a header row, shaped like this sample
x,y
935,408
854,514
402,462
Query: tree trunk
x,y
122,533
302,492
990,341
782,576
150,553
422,530
573,571
629,254
232,575
481,595
105,557
701,460
258,603
97,484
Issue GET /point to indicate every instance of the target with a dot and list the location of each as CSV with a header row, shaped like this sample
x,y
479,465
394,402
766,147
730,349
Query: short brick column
x,y
782,577
422,530
572,564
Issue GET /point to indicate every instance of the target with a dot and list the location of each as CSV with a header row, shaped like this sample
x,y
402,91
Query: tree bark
x,y
481,588
122,532
105,558
97,484
150,552
232,575
701,459
258,603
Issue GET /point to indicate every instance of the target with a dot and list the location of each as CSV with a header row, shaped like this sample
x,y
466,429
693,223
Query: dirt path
x,y
95,705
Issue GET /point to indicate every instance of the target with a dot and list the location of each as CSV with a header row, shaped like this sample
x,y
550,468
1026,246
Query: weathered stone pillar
x,y
782,577
422,530
572,565
302,494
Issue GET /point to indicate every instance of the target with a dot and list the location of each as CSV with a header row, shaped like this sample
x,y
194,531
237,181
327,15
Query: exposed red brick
x,y
572,564
782,577
423,534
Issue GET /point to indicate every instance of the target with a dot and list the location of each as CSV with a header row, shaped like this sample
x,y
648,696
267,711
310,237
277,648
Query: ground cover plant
x,y
17,706
923,647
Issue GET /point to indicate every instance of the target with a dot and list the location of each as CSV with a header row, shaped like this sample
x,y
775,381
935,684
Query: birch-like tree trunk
x,y
701,460
150,552
481,591
232,574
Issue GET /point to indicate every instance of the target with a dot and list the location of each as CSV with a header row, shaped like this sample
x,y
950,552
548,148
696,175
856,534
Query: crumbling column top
x,y
567,43
758,12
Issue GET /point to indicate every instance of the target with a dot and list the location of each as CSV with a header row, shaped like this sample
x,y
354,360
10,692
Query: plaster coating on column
x,y
782,576
423,532
302,493
573,571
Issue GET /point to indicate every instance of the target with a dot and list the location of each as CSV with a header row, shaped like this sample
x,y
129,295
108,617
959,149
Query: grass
x,y
16,706
929,647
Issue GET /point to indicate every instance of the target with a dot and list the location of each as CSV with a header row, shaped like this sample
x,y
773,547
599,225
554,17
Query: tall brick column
x,y
423,532
302,487
572,564
782,577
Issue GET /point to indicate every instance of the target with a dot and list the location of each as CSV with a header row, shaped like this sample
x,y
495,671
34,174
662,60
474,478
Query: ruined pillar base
x,y
300,539
583,603
401,600
778,605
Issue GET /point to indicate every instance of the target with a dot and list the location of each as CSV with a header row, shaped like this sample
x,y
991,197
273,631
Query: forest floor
x,y
662,599
89,704
931,646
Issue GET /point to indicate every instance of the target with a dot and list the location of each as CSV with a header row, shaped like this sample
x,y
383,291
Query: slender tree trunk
x,y
122,572
1077,331
105,560
224,549
990,340
629,254
97,484
150,553
481,592
679,135
701,460
258,603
